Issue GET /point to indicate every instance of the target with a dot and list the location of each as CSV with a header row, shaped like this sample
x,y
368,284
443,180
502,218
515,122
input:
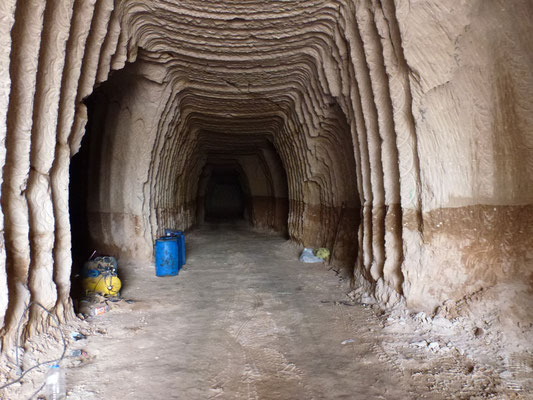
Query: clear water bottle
x,y
55,387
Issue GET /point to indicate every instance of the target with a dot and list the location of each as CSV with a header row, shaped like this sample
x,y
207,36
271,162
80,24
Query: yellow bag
x,y
322,253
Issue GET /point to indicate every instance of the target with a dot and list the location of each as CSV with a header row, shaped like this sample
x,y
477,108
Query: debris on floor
x,y
77,336
79,353
322,253
307,256
267,307
92,305
262,339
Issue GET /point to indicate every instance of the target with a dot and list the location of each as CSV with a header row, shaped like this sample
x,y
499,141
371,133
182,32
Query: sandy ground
x,y
245,320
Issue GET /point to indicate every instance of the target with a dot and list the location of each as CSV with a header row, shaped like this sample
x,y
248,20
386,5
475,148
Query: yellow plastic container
x,y
105,285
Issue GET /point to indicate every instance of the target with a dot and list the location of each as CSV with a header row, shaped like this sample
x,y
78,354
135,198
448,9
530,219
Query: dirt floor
x,y
245,320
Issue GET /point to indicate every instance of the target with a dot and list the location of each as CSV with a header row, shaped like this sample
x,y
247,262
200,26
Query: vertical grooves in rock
x,y
97,34
109,48
45,116
376,214
59,175
389,153
7,10
23,72
355,102
409,164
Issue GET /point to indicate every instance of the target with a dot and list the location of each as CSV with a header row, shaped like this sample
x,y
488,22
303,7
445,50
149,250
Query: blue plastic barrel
x,y
181,243
166,256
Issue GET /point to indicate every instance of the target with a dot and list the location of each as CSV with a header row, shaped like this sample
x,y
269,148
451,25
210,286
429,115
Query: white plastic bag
x,y
307,256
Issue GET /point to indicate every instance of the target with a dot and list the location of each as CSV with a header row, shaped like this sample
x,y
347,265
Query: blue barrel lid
x,y
164,238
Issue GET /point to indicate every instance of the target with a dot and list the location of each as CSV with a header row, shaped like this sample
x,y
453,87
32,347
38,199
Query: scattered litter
x,y
93,305
348,341
99,310
55,386
79,353
307,256
77,336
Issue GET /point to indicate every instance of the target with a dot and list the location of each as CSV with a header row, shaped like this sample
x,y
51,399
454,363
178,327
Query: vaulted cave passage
x,y
249,170
155,157
222,158
395,134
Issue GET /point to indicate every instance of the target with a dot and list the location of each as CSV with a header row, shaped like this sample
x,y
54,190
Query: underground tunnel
x,y
397,135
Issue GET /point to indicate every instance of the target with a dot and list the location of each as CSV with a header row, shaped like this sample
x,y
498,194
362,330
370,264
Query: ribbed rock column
x,y
44,67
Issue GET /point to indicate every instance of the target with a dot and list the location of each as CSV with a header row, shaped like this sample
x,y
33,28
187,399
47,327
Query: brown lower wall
x,y
269,213
468,249
462,250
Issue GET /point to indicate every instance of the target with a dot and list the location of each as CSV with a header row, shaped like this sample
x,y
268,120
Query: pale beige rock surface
x,y
396,133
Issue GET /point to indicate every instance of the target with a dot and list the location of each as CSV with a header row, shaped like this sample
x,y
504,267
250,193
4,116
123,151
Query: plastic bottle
x,y
55,385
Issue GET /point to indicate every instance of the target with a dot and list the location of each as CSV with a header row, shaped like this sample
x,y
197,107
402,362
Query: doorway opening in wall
x,y
89,173
81,173
78,193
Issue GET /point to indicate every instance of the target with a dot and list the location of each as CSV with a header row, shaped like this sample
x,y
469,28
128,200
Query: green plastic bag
x,y
322,253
